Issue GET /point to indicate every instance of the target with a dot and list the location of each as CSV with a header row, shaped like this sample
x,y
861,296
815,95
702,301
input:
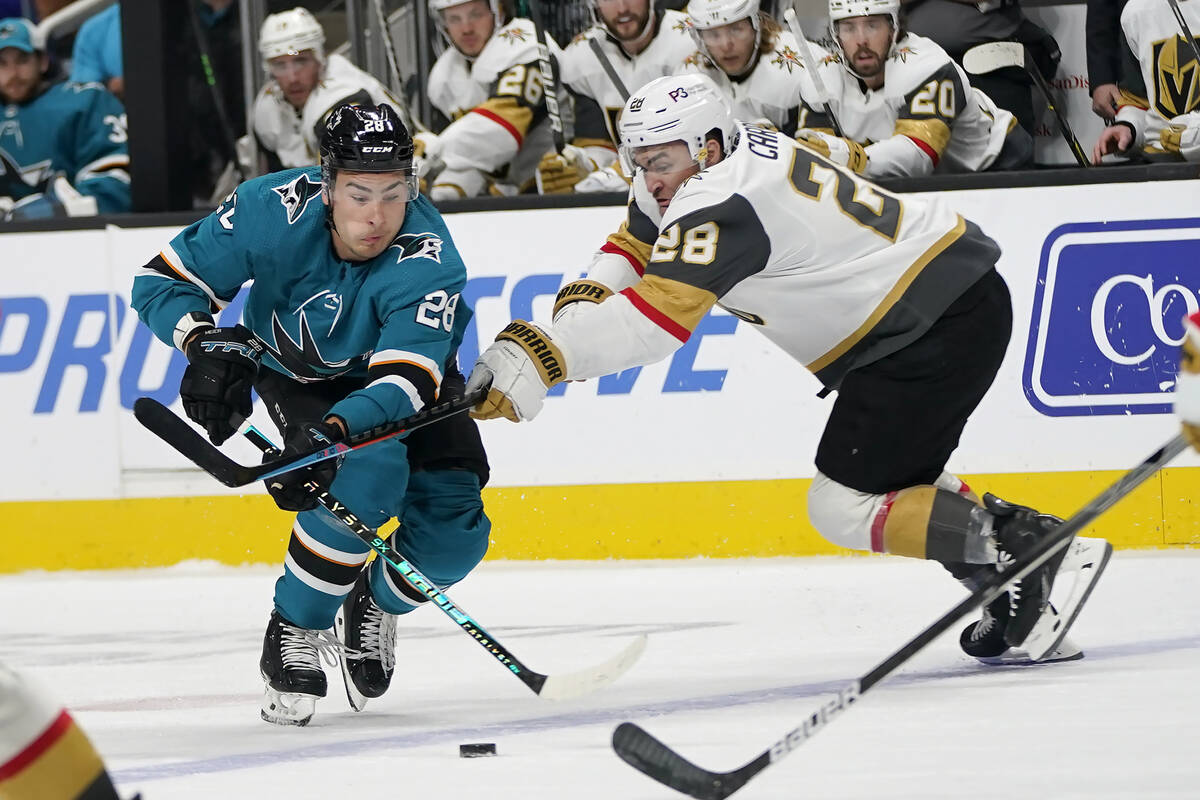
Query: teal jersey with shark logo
x,y
395,320
72,130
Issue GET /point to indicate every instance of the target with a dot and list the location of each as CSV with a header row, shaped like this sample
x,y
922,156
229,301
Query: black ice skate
x,y
1018,530
368,637
291,667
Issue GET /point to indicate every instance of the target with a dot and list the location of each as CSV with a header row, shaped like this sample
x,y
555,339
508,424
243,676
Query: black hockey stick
x,y
218,101
608,68
810,63
168,426
647,754
549,75
554,687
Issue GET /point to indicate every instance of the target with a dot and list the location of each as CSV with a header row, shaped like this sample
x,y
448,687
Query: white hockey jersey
x,y
496,104
833,269
771,90
1168,65
597,100
926,117
293,135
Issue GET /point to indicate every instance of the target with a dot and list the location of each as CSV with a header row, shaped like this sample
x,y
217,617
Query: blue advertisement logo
x,y
1108,316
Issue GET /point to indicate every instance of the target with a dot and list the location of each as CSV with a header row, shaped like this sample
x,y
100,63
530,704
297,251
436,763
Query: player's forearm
x,y
898,156
610,337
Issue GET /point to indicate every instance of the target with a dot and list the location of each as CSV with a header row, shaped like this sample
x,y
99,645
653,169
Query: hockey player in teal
x,y
352,319
63,147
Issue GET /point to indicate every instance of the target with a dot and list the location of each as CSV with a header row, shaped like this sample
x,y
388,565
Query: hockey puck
x,y
477,750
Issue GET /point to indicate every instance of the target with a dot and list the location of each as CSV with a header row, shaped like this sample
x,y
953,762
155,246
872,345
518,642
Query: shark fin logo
x,y
303,359
417,245
296,195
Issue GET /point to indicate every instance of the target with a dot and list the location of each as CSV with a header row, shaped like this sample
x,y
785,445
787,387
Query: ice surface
x,y
160,667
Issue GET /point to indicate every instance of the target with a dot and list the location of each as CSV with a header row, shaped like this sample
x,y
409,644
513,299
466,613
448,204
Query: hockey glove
x,y
294,491
609,179
844,152
557,173
216,384
1187,386
520,367
60,199
1182,136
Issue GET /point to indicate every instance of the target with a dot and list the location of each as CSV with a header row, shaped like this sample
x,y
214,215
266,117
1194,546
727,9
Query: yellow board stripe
x,y
725,519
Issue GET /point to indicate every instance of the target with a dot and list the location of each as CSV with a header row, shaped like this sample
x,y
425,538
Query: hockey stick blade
x,y
168,426
656,760
552,687
984,58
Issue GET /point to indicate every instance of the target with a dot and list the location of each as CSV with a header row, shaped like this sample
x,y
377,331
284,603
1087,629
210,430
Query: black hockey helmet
x,y
365,138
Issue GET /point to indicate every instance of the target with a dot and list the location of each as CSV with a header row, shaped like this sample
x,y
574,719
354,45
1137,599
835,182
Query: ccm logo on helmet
x,y
677,94
374,149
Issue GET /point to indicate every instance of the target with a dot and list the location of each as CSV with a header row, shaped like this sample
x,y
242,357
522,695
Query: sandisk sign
x,y
1107,319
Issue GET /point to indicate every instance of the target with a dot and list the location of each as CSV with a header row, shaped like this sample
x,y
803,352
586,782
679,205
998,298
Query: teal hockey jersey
x,y
395,320
73,130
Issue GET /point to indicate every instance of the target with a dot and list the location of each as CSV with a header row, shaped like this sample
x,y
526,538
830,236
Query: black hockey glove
x,y
216,384
292,491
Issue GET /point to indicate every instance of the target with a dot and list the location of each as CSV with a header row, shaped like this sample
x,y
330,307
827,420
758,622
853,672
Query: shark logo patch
x,y
417,245
296,195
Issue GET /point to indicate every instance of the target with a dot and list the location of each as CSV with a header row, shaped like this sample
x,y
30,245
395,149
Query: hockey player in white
x,y
756,63
904,106
641,44
1166,124
303,86
488,83
895,304
1187,386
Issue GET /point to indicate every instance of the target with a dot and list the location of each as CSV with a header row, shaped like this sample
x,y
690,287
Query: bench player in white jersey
x,y
641,44
895,304
1187,386
755,63
305,85
904,106
489,85
1165,125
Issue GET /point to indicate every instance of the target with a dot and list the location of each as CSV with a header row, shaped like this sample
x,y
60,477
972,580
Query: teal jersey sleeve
x,y
96,150
202,268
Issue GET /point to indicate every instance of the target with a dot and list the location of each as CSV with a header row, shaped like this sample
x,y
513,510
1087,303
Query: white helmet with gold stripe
x,y
289,33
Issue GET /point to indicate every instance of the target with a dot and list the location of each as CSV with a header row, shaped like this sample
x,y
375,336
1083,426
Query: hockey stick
x,y
549,75
1187,32
984,58
554,687
168,426
218,102
389,48
810,63
608,68
647,754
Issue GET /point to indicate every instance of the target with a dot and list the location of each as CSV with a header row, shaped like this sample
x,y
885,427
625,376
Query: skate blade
x,y
357,700
1086,558
287,708
1066,651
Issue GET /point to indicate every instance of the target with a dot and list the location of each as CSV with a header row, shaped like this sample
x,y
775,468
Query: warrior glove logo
x,y
297,194
417,245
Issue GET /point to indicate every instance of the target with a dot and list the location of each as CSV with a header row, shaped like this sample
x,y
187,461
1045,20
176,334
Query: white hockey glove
x,y
60,199
520,367
1182,136
456,184
558,173
609,179
1187,385
844,152
427,157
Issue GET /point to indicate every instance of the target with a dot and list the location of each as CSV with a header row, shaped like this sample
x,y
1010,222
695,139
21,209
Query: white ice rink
x,y
161,669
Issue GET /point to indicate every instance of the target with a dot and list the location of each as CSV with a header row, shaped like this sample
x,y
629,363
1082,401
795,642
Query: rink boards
x,y
709,453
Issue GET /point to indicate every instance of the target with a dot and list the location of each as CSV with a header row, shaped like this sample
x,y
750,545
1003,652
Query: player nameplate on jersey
x,y
1108,316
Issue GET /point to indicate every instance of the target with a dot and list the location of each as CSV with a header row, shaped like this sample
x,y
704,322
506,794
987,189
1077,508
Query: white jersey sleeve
x,y
1168,67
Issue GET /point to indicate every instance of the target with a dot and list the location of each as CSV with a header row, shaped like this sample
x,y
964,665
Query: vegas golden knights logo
x,y
1177,88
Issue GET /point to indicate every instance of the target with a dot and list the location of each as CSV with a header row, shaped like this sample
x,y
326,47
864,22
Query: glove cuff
x,y
543,352
581,290
188,324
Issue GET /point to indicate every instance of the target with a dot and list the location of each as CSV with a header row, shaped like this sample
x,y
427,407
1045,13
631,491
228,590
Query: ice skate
x,y
368,637
291,669
1018,530
1085,560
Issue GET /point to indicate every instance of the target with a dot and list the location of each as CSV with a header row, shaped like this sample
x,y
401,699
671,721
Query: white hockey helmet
x,y
436,7
705,14
289,33
845,9
676,108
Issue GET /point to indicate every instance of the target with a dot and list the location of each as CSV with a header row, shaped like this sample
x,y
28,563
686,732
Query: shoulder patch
x,y
787,58
418,245
902,53
513,35
296,194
